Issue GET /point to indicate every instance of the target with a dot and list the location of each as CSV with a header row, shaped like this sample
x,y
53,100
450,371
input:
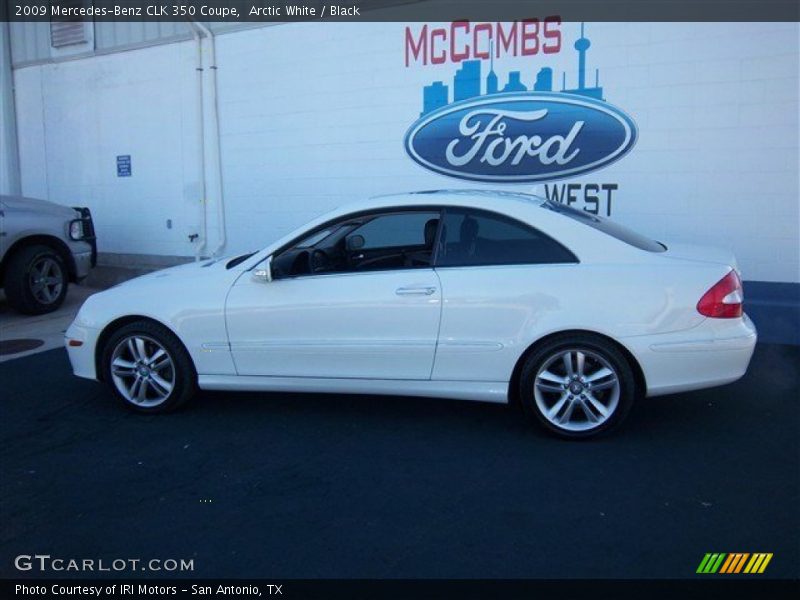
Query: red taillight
x,y
724,299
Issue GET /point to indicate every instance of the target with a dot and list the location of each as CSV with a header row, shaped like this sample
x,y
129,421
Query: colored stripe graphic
x,y
758,563
728,562
703,563
741,562
734,563
711,562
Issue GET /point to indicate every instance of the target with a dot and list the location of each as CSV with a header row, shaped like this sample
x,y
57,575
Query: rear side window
x,y
474,238
607,226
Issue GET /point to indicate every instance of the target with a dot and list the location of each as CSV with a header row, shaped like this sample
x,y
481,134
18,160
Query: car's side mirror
x,y
355,242
264,272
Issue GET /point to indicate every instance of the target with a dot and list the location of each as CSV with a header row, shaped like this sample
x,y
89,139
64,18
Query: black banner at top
x,y
252,11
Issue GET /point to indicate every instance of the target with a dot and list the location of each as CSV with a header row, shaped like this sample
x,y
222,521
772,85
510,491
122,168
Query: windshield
x,y
607,226
315,238
239,260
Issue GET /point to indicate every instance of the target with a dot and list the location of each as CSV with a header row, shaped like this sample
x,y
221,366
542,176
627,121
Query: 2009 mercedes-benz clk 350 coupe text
x,y
457,294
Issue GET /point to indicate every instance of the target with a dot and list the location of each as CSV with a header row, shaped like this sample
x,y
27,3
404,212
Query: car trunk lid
x,y
701,253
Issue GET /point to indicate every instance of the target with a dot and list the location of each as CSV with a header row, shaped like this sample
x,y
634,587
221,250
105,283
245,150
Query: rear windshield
x,y
607,226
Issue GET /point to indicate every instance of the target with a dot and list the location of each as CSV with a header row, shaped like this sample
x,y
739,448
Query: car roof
x,y
478,197
487,199
511,203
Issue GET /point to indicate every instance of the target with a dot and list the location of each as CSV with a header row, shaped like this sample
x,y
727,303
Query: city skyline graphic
x,y
467,81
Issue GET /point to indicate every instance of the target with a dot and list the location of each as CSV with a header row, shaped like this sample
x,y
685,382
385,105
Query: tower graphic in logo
x,y
516,134
467,81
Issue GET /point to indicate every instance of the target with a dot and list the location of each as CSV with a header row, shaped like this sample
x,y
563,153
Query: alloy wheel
x,y
576,389
143,371
46,280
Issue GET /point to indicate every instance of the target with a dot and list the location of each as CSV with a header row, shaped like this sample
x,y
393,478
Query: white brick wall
x,y
313,115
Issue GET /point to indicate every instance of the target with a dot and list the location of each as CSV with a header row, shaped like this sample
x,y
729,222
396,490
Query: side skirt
x,y
481,391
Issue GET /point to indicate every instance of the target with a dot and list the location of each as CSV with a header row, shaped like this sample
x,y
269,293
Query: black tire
x,y
598,353
184,382
26,290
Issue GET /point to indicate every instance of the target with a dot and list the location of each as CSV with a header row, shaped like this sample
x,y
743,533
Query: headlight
x,y
76,230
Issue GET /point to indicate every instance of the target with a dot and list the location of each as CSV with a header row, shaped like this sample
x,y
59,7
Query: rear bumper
x,y
716,352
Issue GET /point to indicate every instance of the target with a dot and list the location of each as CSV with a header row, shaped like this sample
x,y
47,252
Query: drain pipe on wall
x,y
9,168
217,144
201,145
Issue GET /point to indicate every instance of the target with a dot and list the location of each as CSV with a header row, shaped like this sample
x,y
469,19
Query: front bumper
x,y
90,237
82,357
716,352
84,261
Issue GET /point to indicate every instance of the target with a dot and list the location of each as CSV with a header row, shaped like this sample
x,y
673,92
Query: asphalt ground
x,y
311,485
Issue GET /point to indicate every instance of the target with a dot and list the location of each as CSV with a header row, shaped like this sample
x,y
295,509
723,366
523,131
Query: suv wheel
x,y
36,280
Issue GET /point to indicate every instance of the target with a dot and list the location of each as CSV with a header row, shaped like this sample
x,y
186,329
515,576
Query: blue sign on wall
x,y
124,165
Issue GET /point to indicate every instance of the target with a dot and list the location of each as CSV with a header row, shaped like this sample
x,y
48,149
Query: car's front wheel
x,y
578,385
148,368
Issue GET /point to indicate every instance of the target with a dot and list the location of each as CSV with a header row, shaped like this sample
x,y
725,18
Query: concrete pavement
x,y
49,328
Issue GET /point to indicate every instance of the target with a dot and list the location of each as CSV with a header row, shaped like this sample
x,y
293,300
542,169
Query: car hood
x,y
168,296
37,206
187,271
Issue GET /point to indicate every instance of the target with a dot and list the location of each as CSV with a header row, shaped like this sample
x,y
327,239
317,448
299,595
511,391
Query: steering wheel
x,y
318,261
417,259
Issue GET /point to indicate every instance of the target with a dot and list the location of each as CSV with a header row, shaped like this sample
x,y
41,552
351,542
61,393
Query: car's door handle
x,y
415,291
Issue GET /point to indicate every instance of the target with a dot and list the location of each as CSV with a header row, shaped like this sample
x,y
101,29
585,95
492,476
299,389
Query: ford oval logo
x,y
521,137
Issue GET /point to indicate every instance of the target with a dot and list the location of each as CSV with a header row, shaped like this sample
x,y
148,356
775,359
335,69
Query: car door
x,y
500,278
342,316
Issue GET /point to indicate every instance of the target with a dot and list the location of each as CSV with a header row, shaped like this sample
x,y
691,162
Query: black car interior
x,y
343,251
481,238
499,241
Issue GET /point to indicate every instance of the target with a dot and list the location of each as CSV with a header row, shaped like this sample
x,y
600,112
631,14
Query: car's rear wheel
x,y
148,368
577,386
36,280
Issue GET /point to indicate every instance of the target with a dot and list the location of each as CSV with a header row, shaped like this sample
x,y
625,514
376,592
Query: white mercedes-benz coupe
x,y
474,295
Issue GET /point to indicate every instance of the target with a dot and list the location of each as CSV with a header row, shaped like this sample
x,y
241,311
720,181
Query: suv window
x,y
473,237
607,226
